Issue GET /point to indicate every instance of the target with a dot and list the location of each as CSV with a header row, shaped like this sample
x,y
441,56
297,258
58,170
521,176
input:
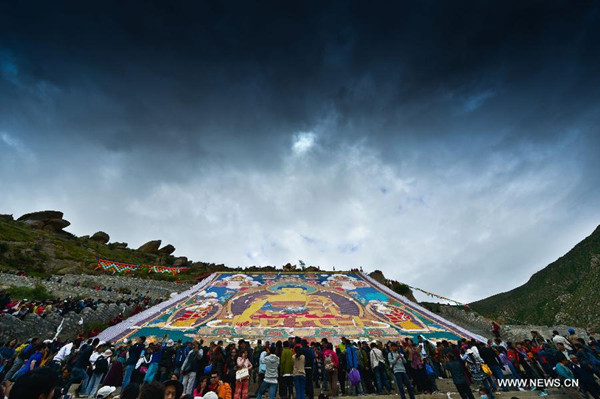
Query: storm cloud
x,y
453,145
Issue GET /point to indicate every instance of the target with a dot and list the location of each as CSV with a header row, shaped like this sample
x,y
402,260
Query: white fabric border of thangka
x,y
408,302
114,331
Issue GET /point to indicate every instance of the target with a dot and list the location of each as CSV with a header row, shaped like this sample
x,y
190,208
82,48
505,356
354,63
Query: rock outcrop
x,y
51,221
151,247
100,237
181,261
41,215
167,249
6,218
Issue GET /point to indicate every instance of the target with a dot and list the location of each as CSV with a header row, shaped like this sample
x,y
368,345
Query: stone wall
x,y
45,327
81,286
84,286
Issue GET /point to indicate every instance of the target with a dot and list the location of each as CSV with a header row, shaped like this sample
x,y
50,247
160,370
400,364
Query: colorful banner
x,y
111,266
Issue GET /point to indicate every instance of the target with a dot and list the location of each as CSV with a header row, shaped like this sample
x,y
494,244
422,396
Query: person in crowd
x,y
99,369
474,364
32,362
190,368
286,371
202,386
152,390
78,372
397,362
299,373
559,339
495,329
244,366
36,384
573,337
342,369
135,351
378,367
131,391
563,370
174,389
455,367
585,374
231,368
309,365
216,385
490,358
23,352
414,356
114,375
332,367
352,362
269,382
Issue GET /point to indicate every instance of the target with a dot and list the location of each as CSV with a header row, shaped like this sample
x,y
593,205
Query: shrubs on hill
x,y
37,293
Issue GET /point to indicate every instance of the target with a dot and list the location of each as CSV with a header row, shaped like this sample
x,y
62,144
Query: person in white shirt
x,y
378,367
559,339
63,353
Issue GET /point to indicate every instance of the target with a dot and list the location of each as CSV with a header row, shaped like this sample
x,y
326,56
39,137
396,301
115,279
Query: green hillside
x,y
43,253
566,291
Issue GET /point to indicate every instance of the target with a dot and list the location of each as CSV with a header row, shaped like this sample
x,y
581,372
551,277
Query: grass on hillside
x,y
37,293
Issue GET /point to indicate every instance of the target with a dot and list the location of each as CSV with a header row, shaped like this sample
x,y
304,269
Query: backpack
x,y
180,356
429,369
329,365
101,365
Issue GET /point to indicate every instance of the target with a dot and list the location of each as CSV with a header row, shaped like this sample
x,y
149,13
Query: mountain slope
x,y
47,252
566,291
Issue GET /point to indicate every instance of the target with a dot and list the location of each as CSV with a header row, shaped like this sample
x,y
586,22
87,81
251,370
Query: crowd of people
x,y
21,307
293,369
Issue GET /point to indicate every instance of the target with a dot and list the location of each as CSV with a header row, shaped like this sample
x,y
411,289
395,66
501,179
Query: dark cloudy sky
x,y
453,145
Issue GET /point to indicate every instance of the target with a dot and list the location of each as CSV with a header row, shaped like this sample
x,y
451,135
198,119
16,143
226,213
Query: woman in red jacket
x,y
332,365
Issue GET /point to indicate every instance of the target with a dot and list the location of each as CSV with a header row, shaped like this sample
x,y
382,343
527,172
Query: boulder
x,y
100,237
41,215
167,249
36,224
120,245
57,224
151,247
181,261
51,221
48,228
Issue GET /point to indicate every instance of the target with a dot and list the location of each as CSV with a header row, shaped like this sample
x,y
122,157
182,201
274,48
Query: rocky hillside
x,y
481,325
566,291
36,244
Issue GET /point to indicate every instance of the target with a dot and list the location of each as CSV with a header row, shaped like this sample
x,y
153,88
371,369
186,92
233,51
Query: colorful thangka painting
x,y
279,305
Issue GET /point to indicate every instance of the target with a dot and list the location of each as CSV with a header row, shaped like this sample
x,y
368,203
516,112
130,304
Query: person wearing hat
x,y
173,389
114,375
99,369
105,392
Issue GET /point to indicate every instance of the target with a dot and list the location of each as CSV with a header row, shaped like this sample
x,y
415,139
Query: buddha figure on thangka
x,y
255,304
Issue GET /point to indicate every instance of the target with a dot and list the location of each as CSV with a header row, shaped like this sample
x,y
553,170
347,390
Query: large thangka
x,y
278,305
